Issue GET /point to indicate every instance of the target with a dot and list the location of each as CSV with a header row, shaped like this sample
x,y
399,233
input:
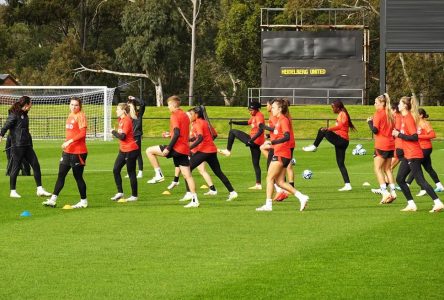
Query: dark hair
x,y
198,110
423,113
18,105
340,106
394,106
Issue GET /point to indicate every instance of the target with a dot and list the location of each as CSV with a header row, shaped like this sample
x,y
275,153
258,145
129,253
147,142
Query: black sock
x,y
212,188
291,183
176,178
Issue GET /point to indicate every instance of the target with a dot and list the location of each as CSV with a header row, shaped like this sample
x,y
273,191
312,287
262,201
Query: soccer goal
x,y
50,108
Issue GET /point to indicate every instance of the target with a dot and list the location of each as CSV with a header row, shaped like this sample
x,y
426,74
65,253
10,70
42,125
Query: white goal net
x,y
50,108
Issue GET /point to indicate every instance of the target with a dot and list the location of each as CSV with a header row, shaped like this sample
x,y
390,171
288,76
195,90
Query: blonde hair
x,y
175,99
132,111
385,99
412,106
124,107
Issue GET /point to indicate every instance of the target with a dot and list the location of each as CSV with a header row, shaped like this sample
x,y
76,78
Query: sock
x,y
298,195
84,200
439,185
437,201
158,172
269,202
392,186
176,178
212,188
277,188
54,197
411,203
347,184
383,187
291,183
194,197
39,188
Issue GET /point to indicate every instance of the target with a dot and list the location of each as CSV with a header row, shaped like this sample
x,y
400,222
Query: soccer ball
x,y
362,151
358,147
355,152
307,174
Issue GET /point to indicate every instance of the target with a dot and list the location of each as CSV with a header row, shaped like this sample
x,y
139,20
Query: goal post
x,y
50,108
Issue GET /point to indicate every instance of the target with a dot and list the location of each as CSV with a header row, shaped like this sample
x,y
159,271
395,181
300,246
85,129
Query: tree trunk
x,y
159,92
406,75
192,58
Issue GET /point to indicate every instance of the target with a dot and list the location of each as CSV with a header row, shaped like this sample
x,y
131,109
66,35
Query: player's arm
x,y
284,139
372,127
197,141
258,133
10,122
265,127
427,135
239,122
174,138
141,109
120,136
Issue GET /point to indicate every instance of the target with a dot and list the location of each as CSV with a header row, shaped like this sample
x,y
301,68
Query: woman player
x,y
413,155
206,150
128,152
425,136
281,157
382,124
74,154
21,145
338,136
254,140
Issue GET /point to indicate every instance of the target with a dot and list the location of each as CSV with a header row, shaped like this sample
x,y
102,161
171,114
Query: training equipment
x,y
307,174
67,206
355,152
122,200
166,193
358,147
50,108
366,183
362,151
203,186
25,214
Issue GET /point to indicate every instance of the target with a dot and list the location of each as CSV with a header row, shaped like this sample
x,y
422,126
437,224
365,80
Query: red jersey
x,y
398,121
207,145
126,126
342,126
411,148
282,125
383,139
271,123
76,130
425,134
179,119
254,121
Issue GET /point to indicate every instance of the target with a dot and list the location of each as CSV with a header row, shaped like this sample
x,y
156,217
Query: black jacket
x,y
137,123
18,126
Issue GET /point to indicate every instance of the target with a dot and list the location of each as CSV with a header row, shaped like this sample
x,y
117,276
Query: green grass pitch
x,y
345,245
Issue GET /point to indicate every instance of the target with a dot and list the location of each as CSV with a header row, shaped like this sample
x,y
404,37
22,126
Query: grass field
x,y
344,245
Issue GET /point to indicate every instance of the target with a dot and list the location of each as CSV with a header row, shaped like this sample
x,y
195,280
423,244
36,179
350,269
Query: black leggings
x,y
427,164
128,158
77,171
341,146
139,158
254,149
414,166
213,162
18,155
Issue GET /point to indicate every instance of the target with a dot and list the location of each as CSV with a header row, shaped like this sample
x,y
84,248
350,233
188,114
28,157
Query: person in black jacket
x,y
137,115
21,145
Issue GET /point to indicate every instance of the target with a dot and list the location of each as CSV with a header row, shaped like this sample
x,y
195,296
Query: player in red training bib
x,y
128,152
178,149
382,124
338,136
413,154
253,140
282,156
74,154
425,136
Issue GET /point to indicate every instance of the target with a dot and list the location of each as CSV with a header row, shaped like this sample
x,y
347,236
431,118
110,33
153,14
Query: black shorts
x,y
383,153
179,159
73,160
285,161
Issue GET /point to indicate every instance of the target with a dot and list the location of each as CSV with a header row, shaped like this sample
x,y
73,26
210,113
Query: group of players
x,y
401,132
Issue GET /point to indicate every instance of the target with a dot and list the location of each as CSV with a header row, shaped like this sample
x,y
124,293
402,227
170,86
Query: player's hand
x,y
66,144
165,152
395,133
369,119
324,129
249,143
261,125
